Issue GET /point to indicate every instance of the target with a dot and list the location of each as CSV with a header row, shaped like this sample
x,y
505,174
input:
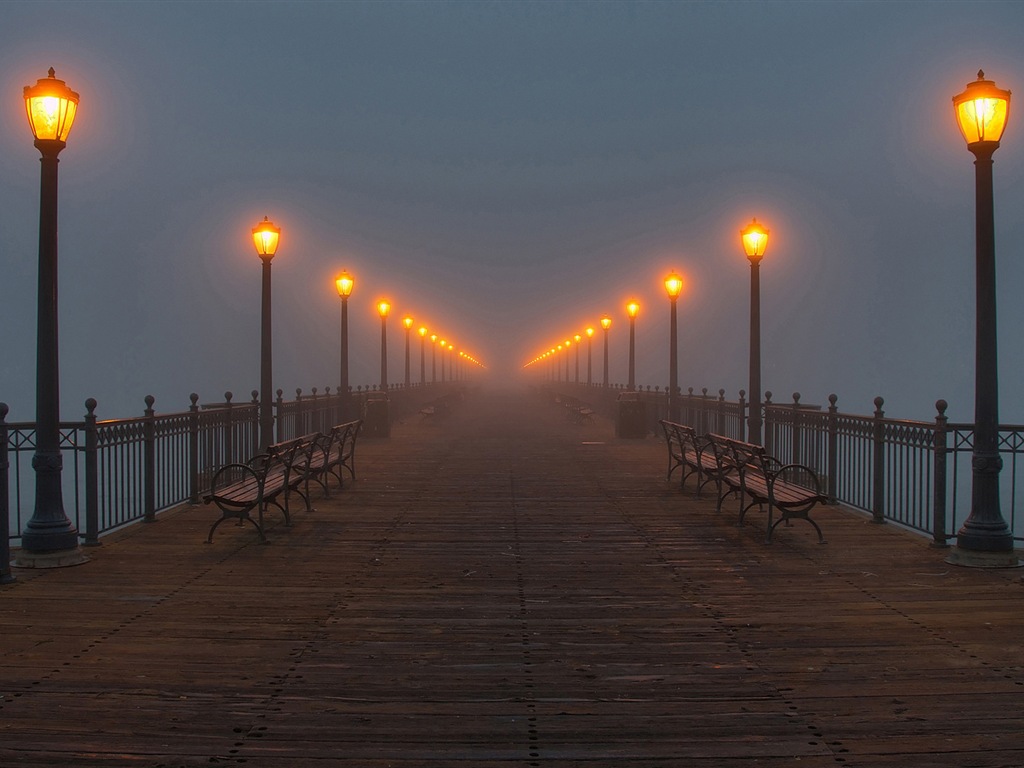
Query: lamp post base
x,y
63,558
972,558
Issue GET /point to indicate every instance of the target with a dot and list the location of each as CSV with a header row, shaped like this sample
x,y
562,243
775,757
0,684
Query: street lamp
x,y
444,347
984,539
590,356
433,358
49,535
423,354
632,308
568,343
755,242
407,322
265,236
606,323
383,308
345,284
673,287
576,339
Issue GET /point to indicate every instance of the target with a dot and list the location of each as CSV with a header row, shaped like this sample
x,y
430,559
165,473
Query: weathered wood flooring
x,y
503,587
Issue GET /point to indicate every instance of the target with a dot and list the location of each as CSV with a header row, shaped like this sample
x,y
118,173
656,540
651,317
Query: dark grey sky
x,y
507,172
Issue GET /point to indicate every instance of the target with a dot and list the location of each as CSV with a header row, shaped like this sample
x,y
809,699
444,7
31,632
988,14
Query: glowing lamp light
x,y
345,285
755,240
265,237
673,286
577,338
51,108
981,111
606,322
632,309
422,331
590,331
407,322
383,307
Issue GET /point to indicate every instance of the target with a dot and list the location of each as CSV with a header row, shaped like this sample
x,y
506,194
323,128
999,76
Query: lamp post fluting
x,y
590,356
606,323
383,308
51,108
265,236
755,242
984,539
345,284
673,287
632,308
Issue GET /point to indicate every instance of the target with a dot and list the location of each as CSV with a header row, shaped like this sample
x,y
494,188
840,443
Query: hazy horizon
x,y
506,173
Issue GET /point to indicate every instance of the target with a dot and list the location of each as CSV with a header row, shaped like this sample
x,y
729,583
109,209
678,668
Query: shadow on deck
x,y
503,587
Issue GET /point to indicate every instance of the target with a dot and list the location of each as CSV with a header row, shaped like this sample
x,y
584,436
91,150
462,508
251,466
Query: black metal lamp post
x,y
407,323
632,308
568,343
590,356
423,354
984,539
265,236
606,323
673,287
433,358
383,308
755,242
345,284
576,340
444,346
49,538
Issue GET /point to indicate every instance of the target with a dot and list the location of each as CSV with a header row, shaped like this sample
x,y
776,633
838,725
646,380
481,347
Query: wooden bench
x,y
690,453
749,472
237,489
341,452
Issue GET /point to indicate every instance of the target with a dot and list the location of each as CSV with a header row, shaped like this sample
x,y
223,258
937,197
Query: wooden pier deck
x,y
504,588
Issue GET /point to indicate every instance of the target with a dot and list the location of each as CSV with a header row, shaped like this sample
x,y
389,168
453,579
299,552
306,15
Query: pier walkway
x,y
503,588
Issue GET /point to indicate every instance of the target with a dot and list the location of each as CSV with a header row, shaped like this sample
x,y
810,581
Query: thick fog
x,y
506,173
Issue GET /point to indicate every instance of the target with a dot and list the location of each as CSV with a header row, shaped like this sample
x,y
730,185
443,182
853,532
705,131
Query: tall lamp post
x,y
590,356
433,358
755,242
444,347
577,338
407,322
345,284
673,287
984,539
568,343
632,308
606,323
49,537
383,308
265,236
423,354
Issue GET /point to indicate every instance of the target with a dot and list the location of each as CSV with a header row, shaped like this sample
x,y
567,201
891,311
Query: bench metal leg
x,y
241,518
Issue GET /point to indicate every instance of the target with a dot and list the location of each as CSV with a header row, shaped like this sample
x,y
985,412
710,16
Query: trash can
x,y
631,419
376,419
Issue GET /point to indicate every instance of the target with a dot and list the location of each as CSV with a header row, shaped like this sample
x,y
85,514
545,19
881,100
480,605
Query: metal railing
x,y
121,471
916,474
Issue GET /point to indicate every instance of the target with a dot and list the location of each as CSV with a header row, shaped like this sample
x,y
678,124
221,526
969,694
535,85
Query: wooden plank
x,y
507,588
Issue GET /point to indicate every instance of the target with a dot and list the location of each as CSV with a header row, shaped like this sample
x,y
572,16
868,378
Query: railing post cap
x,y
796,398
833,399
193,398
90,405
941,406
879,401
149,402
228,396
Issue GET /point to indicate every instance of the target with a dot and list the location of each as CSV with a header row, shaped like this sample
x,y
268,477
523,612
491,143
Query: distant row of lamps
x,y
49,537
